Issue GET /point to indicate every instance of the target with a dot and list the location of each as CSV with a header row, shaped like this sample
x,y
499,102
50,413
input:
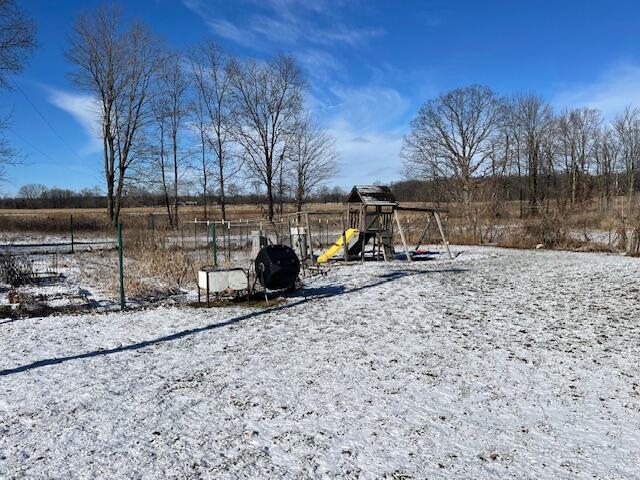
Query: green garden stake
x,y
214,247
120,267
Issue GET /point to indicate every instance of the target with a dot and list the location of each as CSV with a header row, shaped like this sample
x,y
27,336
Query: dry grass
x,y
15,270
153,268
555,229
95,219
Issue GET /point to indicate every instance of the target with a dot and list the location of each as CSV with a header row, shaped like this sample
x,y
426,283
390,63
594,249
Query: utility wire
x,y
33,147
47,123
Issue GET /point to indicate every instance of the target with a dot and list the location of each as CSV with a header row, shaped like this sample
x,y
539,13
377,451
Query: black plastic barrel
x,y
277,267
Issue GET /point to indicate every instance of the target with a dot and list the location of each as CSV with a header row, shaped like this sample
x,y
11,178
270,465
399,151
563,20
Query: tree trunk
x,y
281,192
221,160
270,198
109,156
118,197
300,189
110,202
204,173
299,199
223,201
630,190
165,188
175,179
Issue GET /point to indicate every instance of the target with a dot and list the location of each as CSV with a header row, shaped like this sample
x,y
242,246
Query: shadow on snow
x,y
306,294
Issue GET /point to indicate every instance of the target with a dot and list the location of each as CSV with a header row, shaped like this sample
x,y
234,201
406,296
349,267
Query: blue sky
x,y
370,65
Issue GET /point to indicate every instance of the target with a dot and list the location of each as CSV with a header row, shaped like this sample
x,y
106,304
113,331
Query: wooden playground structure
x,y
364,230
372,210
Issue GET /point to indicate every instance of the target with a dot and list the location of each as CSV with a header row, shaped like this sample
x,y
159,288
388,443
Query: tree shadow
x,y
304,296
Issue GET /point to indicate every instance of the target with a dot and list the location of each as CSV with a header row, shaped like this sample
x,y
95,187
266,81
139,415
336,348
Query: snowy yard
x,y
499,364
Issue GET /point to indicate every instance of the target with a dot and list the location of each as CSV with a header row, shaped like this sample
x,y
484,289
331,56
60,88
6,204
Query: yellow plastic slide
x,y
337,247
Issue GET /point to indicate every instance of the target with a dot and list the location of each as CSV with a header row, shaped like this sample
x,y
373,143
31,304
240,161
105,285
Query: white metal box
x,y
221,280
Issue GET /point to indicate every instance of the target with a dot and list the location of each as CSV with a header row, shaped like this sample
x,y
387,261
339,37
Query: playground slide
x,y
351,233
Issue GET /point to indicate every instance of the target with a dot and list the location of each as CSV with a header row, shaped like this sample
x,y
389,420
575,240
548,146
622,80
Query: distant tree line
x,y
35,196
476,148
201,116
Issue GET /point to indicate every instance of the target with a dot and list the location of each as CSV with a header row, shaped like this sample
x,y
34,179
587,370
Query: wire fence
x,y
155,260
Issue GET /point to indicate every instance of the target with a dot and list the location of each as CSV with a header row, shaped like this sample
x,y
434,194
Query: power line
x,y
47,123
23,139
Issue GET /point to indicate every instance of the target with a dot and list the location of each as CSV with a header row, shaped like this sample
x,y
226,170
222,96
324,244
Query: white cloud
x,y
320,65
84,109
611,93
231,32
366,157
285,22
368,124
370,107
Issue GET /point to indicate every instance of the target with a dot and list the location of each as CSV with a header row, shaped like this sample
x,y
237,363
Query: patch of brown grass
x,y
153,268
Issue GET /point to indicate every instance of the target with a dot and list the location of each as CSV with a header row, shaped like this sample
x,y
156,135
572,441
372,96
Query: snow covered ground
x,y
499,364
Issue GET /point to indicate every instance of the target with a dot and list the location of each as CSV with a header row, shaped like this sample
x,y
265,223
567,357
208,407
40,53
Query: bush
x,y
154,267
15,270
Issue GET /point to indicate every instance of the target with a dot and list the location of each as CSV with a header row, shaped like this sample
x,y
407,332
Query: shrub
x,y
15,270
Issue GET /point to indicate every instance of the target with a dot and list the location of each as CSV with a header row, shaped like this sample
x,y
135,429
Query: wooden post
x,y
384,250
345,244
363,230
444,238
404,243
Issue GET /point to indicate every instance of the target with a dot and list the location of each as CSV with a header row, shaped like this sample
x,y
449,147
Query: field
x,y
498,364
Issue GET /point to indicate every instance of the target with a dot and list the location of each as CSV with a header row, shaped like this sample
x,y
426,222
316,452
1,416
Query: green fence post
x,y
214,247
120,267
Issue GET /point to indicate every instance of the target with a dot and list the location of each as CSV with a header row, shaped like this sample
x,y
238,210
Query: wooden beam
x,y
404,242
423,209
424,232
363,229
444,238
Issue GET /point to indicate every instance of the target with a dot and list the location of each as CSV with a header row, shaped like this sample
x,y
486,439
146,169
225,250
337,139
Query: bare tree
x,y
173,87
577,130
32,192
209,67
204,167
7,154
627,128
313,158
606,153
17,41
117,67
454,136
158,173
267,101
532,123
282,174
